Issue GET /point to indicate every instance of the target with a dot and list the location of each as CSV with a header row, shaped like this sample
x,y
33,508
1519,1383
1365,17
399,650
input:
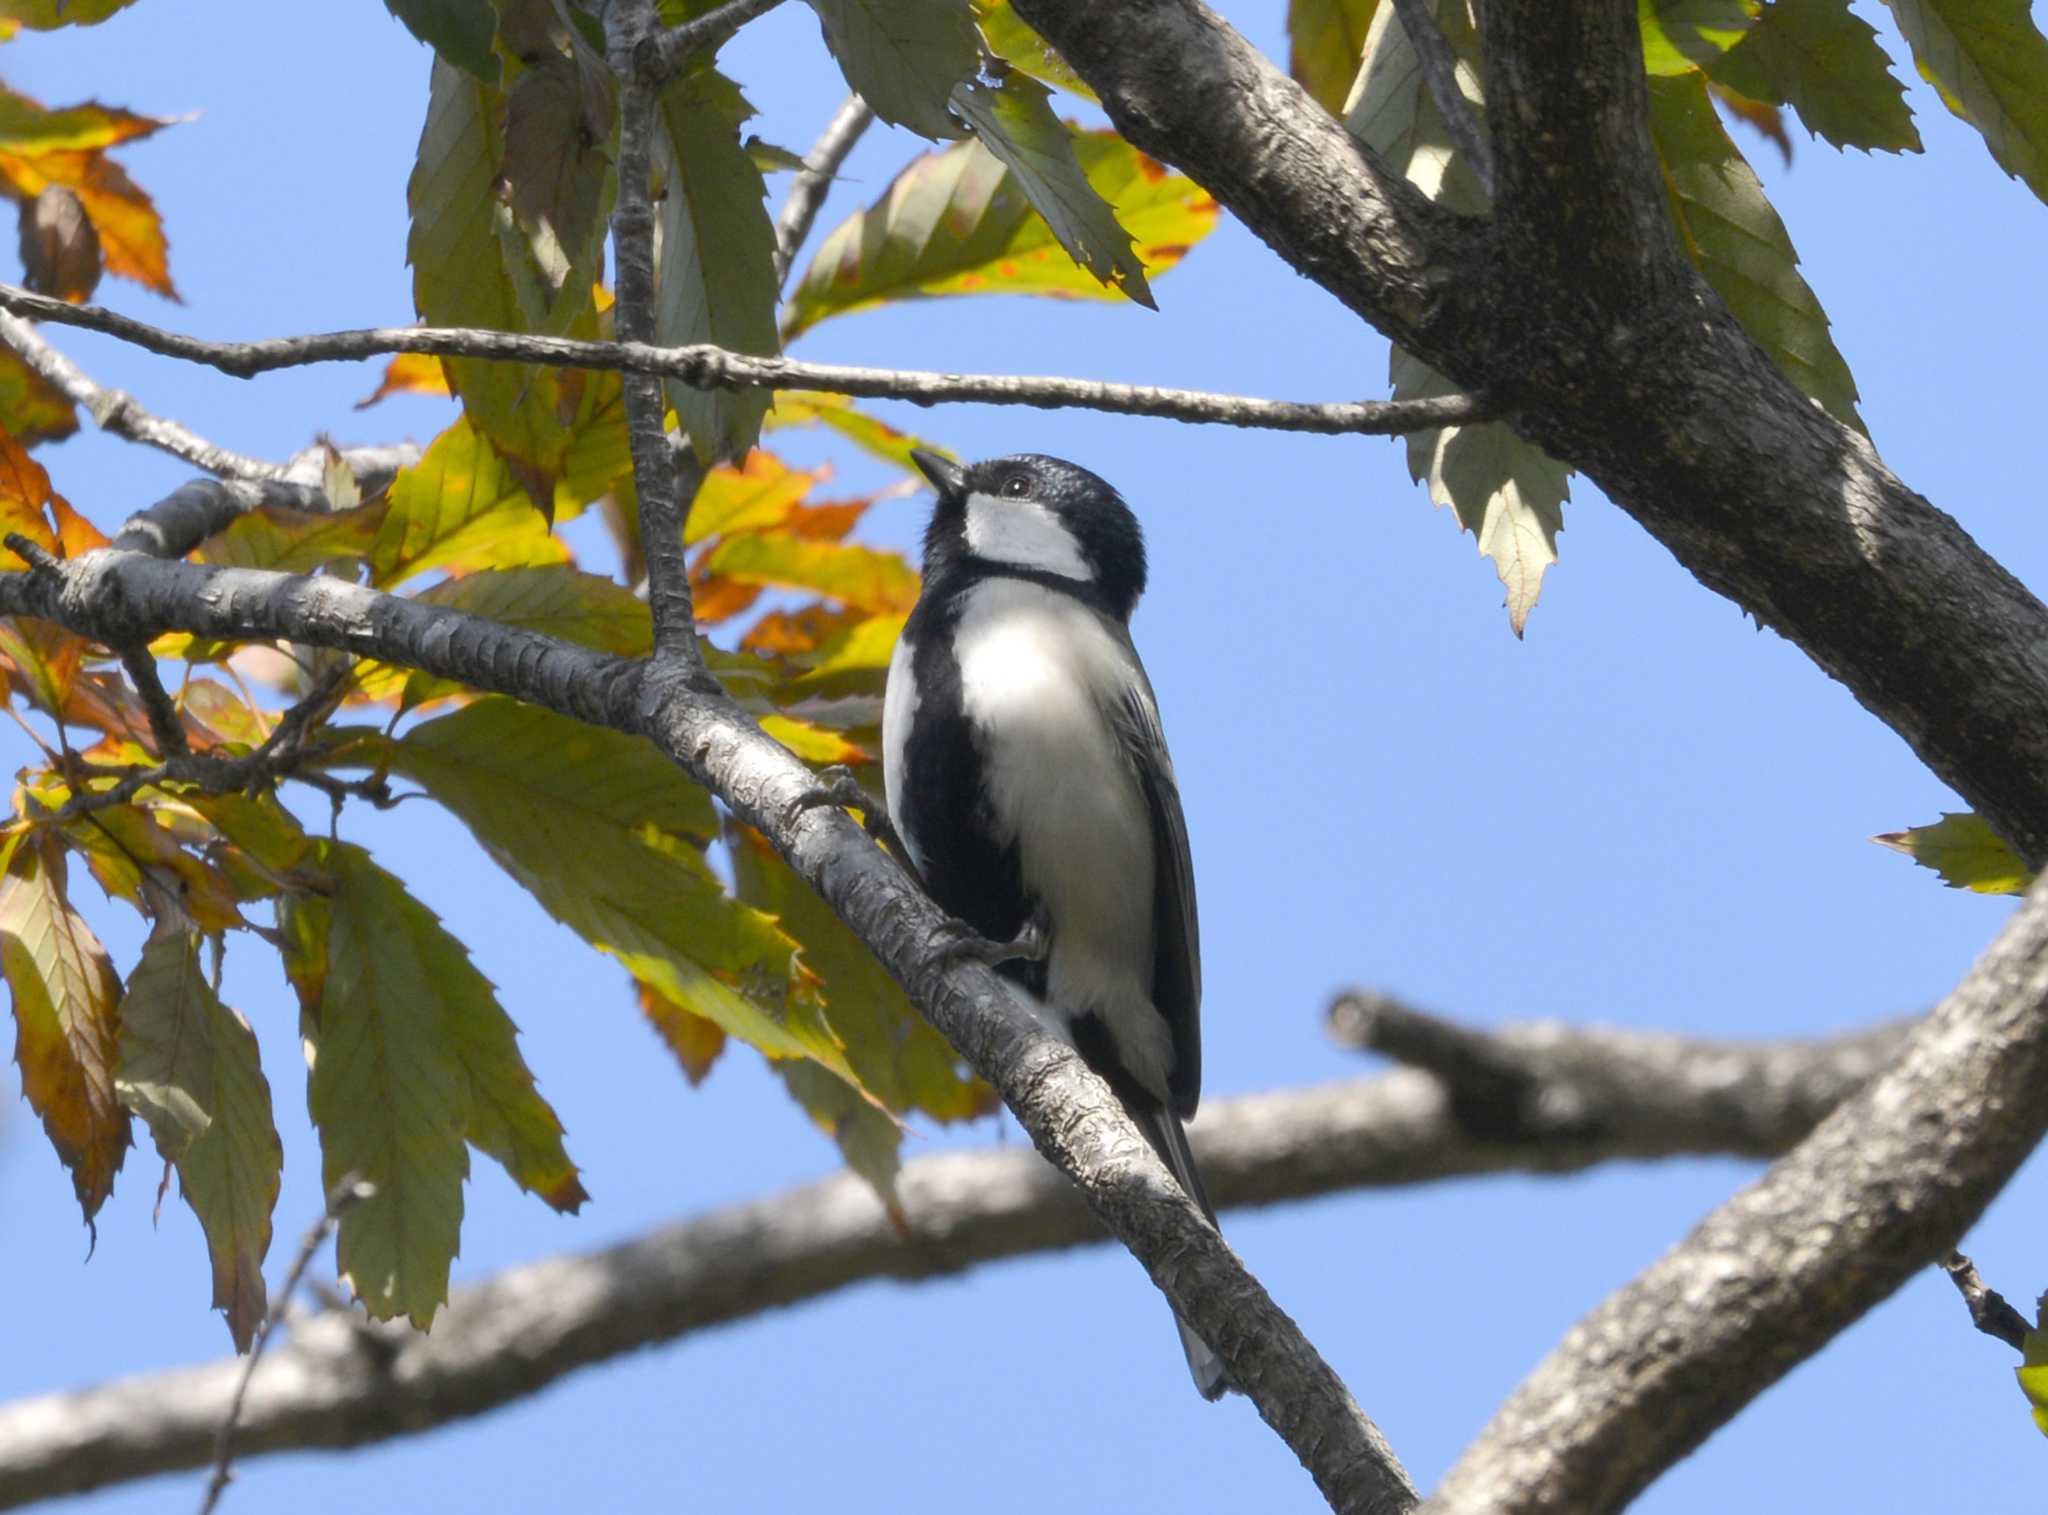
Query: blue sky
x,y
1647,813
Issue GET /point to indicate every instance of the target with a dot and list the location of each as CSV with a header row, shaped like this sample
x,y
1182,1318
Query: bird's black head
x,y
1038,514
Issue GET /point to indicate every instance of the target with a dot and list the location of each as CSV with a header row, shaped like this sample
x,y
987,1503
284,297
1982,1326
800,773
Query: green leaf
x,y
189,1067
956,222
1507,492
1989,62
555,600
460,31
556,175
459,508
861,576
716,279
47,15
2033,1375
1394,114
867,1138
65,994
296,541
903,56
771,159
1682,35
411,1054
1736,239
609,837
1016,123
1011,38
1326,44
1823,60
470,266
1965,851
901,1060
32,409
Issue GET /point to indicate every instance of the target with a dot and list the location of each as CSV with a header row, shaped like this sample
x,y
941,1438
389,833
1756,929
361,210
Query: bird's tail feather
x,y
1162,1128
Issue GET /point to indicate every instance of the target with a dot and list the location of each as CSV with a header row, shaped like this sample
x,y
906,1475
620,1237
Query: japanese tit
x,y
1028,779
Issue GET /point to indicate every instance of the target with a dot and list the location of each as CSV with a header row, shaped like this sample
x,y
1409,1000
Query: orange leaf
x,y
410,373
75,534
1768,119
24,491
829,522
695,1041
41,660
131,233
792,632
720,599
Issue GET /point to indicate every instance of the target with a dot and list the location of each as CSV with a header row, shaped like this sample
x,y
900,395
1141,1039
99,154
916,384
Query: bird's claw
x,y
839,787
959,941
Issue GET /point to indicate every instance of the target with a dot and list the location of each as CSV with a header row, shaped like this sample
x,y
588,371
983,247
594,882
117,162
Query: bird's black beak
x,y
947,477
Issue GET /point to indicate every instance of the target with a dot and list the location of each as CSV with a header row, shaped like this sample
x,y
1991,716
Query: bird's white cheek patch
x,y
1024,534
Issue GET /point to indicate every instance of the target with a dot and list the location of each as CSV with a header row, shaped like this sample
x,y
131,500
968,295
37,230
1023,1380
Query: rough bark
x,y
1574,312
1885,1185
341,1382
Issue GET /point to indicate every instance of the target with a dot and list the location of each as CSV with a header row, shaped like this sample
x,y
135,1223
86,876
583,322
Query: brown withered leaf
x,y
130,231
60,250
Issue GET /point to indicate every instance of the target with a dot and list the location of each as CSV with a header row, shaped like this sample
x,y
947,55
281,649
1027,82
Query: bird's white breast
x,y
1039,674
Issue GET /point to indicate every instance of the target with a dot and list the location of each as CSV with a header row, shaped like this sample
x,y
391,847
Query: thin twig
x,y
119,414
707,367
1989,1310
351,1190
278,757
813,181
1440,73
661,53
627,24
164,721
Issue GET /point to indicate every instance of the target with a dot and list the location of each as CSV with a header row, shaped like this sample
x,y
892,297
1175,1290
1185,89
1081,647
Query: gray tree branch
x,y
122,597
339,1382
707,367
1574,311
198,508
630,24
1887,1184
120,414
1990,1312
813,181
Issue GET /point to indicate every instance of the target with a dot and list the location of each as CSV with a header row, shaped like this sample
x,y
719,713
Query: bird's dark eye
x,y
1016,486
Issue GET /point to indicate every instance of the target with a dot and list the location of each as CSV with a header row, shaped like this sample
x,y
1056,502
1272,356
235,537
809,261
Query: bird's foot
x,y
958,941
838,786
